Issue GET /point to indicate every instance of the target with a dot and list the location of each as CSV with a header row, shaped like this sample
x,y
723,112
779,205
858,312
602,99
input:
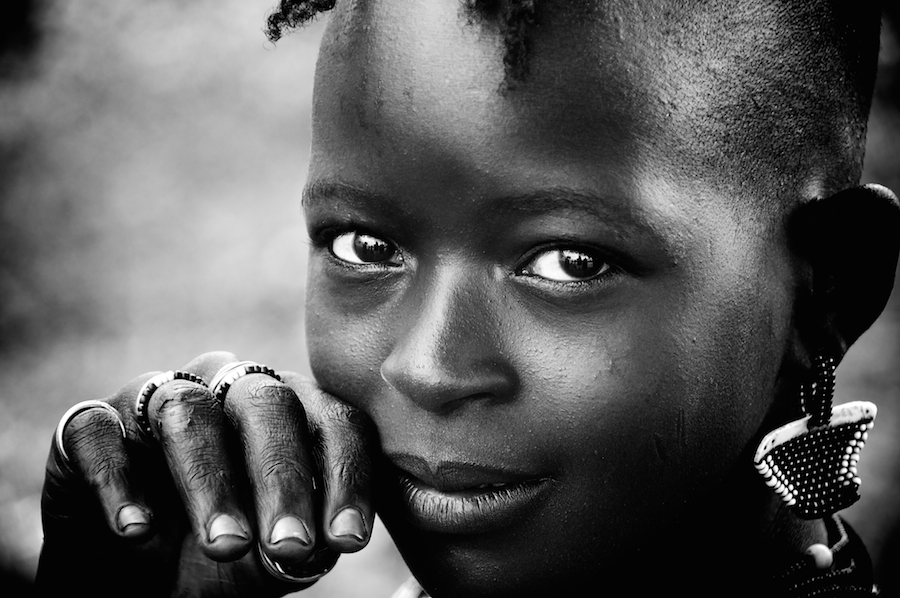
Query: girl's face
x,y
565,343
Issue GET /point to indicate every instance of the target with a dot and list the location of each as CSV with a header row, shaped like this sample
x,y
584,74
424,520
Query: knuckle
x,y
278,465
350,420
94,440
206,473
100,467
341,433
181,406
186,392
328,409
273,407
92,421
351,469
262,391
344,445
338,411
347,475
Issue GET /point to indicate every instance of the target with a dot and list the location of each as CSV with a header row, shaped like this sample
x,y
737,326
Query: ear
x,y
849,243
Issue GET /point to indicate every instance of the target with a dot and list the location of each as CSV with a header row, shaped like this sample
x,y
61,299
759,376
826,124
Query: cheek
x,y
346,350
608,400
667,393
723,352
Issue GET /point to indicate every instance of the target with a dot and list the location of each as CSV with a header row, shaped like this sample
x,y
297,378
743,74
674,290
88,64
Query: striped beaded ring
x,y
150,386
229,373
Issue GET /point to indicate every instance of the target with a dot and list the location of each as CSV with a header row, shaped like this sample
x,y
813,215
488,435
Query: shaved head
x,y
780,90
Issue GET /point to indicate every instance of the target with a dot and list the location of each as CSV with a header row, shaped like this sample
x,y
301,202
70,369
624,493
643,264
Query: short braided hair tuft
x,y
293,14
517,20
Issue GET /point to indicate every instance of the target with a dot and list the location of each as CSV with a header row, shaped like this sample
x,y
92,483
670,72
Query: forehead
x,y
681,89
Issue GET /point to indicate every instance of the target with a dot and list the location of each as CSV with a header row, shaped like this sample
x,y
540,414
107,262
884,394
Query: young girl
x,y
573,262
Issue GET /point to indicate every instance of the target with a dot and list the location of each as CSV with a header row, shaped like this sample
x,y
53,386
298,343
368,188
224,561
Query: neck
x,y
743,535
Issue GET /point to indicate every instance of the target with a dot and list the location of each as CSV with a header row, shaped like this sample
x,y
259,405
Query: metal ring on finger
x,y
150,386
278,572
75,410
229,373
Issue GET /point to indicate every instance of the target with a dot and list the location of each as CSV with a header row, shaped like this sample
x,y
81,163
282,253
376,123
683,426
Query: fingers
x,y
274,436
294,436
193,433
279,462
91,446
344,446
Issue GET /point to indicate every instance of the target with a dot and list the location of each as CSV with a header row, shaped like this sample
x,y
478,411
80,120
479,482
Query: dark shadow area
x,y
887,566
15,585
20,34
885,166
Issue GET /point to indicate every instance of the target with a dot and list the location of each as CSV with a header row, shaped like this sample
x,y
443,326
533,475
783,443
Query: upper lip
x,y
455,476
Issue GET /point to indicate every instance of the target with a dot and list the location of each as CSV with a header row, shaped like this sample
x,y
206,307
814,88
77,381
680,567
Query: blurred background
x,y
152,155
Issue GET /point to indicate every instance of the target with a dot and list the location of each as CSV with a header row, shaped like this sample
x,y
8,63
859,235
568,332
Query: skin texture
x,y
197,499
616,397
638,393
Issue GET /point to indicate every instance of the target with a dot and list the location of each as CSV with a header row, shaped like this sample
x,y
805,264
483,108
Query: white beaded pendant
x,y
814,468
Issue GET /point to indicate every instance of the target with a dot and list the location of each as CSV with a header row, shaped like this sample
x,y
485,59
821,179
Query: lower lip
x,y
470,511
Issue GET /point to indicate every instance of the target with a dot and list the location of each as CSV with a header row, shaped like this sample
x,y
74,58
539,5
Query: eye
x,y
359,248
566,265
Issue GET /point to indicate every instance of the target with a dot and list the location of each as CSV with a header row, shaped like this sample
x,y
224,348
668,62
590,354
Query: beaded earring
x,y
812,462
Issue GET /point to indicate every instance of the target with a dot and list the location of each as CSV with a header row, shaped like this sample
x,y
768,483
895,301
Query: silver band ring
x,y
75,410
150,386
278,572
229,373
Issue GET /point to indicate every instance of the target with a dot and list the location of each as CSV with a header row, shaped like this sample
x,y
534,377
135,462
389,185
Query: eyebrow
x,y
324,191
604,207
607,208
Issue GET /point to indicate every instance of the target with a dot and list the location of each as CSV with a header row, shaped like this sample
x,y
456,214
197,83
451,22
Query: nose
x,y
450,349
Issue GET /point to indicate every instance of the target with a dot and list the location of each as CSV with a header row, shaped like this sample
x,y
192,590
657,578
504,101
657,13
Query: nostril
x,y
459,403
449,347
440,389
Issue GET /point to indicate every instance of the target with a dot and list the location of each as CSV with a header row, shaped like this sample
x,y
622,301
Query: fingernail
x,y
132,519
290,528
226,525
349,523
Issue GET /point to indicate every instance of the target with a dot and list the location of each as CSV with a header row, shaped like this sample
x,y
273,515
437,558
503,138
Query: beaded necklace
x,y
843,569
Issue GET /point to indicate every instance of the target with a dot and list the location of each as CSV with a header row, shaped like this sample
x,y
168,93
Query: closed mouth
x,y
456,497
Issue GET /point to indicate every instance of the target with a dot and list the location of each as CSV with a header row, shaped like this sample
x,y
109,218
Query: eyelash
x,y
328,238
606,269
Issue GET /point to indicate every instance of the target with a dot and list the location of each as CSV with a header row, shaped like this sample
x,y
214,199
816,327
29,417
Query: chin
x,y
475,575
512,562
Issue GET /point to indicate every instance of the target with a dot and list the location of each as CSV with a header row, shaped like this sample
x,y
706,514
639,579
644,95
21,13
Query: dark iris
x,y
578,264
372,249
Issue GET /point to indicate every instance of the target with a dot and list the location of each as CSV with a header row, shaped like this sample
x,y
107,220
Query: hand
x,y
281,468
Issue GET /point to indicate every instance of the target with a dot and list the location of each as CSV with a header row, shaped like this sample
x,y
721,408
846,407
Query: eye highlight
x,y
566,265
355,247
